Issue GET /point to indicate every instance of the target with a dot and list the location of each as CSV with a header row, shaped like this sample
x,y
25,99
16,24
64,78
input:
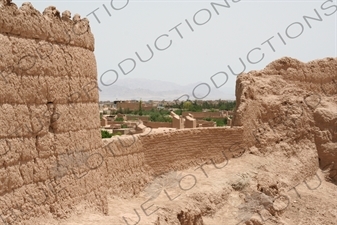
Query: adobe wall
x,y
291,105
157,124
48,114
133,160
203,115
128,105
52,156
190,122
289,86
204,123
188,147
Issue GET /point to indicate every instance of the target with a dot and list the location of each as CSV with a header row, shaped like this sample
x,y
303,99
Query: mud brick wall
x,y
157,124
298,84
49,117
293,103
203,115
131,161
181,149
52,156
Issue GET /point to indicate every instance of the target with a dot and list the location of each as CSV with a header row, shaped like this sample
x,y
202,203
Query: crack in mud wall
x,y
294,104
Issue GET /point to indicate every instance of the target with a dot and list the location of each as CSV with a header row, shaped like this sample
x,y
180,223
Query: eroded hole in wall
x,y
51,109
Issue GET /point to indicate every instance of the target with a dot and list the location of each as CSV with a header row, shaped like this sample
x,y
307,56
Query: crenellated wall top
x,y
51,25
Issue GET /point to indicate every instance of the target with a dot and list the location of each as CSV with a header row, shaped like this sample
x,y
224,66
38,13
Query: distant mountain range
x,y
145,89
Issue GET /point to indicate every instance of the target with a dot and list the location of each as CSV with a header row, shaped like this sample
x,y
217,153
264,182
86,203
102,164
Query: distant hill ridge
x,y
145,89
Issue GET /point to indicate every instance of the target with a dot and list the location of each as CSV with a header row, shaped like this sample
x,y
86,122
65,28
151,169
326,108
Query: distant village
x,y
134,117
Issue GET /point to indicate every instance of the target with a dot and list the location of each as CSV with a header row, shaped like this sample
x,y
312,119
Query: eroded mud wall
x,y
51,153
48,114
131,161
291,107
190,147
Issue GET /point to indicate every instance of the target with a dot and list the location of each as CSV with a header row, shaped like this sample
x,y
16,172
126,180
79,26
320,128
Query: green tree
x,y
179,112
160,116
206,105
120,110
140,108
219,122
105,134
127,111
187,105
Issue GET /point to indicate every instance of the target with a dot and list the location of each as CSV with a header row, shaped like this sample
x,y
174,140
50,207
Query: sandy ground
x,y
221,196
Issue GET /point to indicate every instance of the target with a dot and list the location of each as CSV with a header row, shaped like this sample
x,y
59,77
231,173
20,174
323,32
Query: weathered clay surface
x,y
51,26
52,155
53,161
48,113
290,103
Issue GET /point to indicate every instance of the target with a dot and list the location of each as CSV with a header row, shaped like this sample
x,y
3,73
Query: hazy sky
x,y
221,35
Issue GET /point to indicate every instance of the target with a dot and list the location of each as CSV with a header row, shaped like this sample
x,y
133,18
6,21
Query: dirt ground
x,y
286,175
251,188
